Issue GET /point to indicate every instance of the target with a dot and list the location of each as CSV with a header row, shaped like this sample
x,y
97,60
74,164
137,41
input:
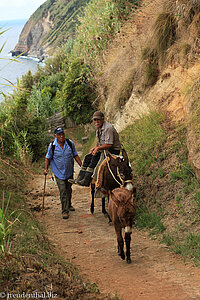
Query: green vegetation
x,y
150,56
67,79
143,141
63,82
166,45
23,132
149,220
197,199
182,170
164,37
189,247
5,226
100,22
77,93
91,139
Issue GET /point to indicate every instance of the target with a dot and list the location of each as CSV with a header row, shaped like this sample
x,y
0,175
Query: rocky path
x,y
90,244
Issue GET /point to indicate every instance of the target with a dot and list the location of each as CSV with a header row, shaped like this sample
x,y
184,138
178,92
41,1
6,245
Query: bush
x,y
37,137
41,102
14,115
23,134
78,93
27,81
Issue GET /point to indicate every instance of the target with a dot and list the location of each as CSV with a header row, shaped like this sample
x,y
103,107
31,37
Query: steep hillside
x,y
154,65
50,26
141,73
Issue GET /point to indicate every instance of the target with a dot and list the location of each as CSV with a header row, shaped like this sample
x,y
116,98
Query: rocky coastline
x,y
21,50
30,41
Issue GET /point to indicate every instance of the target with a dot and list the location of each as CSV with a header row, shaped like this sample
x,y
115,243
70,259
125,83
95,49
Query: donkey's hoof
x,y
128,261
122,256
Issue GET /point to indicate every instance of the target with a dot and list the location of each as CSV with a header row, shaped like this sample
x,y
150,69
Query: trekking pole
x,y
45,179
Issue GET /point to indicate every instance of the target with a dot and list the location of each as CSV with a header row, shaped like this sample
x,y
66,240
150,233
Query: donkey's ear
x,y
125,156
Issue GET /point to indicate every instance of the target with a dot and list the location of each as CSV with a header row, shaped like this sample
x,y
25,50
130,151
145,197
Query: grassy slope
x,y
168,191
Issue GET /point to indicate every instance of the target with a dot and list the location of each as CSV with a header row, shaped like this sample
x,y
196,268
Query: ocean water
x,y
12,70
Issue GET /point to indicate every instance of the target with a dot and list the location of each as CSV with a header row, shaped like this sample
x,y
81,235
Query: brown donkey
x,y
122,209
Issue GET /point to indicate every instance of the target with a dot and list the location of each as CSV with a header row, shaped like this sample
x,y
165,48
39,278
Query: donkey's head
x,y
123,170
126,205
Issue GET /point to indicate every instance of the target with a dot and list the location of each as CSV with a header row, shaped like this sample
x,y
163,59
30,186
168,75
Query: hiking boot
x,y
100,192
71,208
86,180
65,216
80,177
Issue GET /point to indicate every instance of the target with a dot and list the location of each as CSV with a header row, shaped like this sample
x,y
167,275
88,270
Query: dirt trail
x,y
90,244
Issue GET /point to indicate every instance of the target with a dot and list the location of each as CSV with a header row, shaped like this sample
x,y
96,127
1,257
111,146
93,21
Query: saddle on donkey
x,y
92,170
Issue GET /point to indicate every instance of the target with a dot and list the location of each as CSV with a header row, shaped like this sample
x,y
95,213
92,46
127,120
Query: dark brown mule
x,y
122,209
116,173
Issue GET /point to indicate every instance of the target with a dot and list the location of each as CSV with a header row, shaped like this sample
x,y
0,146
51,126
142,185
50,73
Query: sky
x,y
18,9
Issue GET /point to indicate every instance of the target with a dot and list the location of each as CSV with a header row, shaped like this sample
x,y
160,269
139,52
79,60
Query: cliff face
x,y
31,37
51,25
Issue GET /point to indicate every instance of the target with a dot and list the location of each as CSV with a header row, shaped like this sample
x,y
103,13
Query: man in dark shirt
x,y
107,139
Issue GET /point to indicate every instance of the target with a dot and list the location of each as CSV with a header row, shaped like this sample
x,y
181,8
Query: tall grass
x,y
6,224
165,32
21,148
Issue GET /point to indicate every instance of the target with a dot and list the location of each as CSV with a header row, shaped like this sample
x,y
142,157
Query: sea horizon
x,y
15,21
10,37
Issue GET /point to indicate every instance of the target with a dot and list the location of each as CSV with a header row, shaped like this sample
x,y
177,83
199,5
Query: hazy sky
x,y
18,9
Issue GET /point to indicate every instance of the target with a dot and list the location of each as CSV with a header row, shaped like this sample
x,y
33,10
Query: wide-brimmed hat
x,y
98,115
58,130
